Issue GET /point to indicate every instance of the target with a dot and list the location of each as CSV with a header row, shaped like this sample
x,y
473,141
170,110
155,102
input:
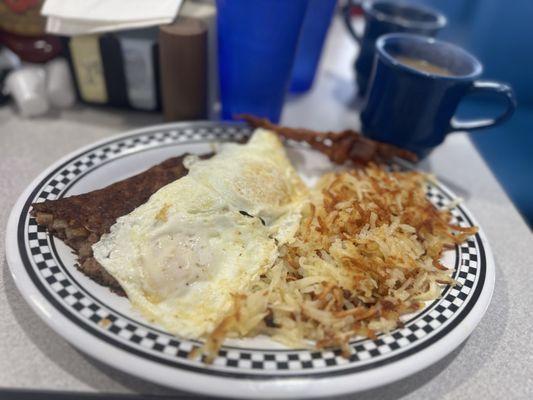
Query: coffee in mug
x,y
416,86
423,66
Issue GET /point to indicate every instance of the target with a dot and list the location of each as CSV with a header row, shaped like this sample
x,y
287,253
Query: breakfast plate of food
x,y
250,260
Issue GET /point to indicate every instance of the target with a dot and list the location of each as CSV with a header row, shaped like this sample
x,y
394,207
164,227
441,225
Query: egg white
x,y
196,242
257,178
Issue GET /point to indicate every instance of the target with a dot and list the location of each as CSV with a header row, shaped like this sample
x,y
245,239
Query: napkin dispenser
x,y
98,69
125,69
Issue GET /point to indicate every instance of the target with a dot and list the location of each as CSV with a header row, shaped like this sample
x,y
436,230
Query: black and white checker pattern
x,y
436,196
138,142
238,360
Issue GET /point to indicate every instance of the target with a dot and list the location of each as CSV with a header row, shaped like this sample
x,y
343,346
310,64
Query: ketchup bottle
x,y
22,31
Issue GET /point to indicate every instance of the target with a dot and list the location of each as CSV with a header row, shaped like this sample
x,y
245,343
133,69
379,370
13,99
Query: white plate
x,y
104,326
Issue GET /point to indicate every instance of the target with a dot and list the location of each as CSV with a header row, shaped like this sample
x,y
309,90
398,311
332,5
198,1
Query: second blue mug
x,y
387,16
416,86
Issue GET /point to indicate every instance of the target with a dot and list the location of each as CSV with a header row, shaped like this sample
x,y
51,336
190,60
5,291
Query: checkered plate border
x,y
57,284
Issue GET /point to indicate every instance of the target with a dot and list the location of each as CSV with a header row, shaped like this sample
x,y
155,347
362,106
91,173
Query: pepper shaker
x,y
183,67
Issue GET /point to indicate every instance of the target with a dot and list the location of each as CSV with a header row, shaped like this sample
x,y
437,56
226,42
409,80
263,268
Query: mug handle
x,y
346,9
501,89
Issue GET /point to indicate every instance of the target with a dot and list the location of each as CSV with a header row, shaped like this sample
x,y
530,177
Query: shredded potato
x,y
367,252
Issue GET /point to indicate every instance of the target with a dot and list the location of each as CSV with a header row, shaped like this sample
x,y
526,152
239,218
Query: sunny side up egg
x,y
182,255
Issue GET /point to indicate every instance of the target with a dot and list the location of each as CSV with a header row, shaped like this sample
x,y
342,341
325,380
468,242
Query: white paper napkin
x,y
77,17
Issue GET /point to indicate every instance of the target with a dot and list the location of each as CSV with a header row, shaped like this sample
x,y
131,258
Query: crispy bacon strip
x,y
338,146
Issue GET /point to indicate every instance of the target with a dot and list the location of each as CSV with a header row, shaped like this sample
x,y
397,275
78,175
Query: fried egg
x,y
182,255
258,179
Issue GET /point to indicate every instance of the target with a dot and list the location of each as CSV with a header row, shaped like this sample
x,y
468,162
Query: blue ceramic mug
x,y
387,16
415,87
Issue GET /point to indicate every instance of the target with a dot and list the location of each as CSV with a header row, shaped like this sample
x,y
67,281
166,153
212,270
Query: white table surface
x,y
496,362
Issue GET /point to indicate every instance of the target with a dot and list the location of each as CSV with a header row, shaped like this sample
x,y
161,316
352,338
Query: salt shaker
x,y
59,86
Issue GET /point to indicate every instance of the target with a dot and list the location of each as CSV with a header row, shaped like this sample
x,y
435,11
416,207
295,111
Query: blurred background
x,y
219,58
499,33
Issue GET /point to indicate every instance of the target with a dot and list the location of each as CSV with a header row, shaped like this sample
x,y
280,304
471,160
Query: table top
x,y
495,362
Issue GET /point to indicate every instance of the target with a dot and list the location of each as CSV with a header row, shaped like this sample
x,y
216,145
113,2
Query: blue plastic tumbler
x,y
257,41
314,28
